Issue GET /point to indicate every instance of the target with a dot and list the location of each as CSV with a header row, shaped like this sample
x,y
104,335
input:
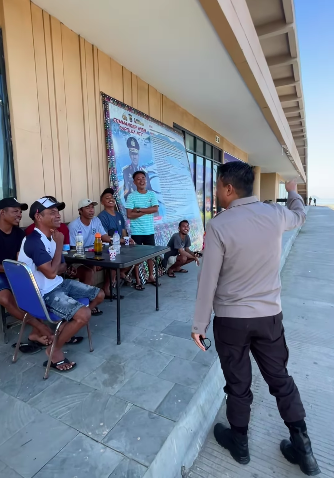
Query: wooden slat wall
x,y
54,80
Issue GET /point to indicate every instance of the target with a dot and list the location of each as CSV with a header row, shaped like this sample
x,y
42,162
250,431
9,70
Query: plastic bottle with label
x,y
116,241
79,245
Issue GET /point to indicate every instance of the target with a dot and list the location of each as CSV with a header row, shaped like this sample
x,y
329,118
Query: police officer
x,y
128,171
240,279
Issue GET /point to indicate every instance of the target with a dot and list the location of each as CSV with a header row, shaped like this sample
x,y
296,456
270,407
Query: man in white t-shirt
x,y
89,225
42,252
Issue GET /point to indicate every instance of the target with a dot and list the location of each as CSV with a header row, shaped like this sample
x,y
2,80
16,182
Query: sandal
x,y
154,283
171,274
96,311
55,365
29,348
139,287
182,271
75,340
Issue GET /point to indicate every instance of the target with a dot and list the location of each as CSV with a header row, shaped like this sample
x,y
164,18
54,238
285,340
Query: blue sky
x,y
316,44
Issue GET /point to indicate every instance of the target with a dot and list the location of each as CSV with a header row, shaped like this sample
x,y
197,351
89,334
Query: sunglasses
x,y
205,342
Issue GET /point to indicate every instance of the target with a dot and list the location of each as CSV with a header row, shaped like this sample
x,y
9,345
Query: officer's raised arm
x,y
294,214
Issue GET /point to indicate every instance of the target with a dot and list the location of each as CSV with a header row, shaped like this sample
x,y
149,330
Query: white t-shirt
x,y
88,232
36,250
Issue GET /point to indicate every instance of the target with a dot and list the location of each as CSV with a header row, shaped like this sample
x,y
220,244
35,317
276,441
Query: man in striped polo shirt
x,y
141,205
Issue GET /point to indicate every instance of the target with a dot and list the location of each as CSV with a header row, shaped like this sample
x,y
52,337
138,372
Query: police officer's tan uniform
x,y
128,171
240,278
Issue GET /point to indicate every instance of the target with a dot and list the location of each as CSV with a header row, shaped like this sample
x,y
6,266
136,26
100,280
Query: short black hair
x,y
240,175
138,172
184,220
107,191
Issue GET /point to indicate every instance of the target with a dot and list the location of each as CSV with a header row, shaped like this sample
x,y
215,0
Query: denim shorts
x,y
62,301
4,284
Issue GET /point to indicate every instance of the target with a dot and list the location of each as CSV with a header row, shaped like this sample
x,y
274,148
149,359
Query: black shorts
x,y
142,240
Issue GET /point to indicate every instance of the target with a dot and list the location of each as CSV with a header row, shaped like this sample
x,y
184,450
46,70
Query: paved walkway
x,y
308,306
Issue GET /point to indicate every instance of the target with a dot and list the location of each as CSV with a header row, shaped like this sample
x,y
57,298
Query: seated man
x,y
180,254
42,252
11,237
63,228
89,225
112,221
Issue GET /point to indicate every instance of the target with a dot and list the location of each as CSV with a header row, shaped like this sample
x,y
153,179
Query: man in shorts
x,y
180,253
141,206
42,252
11,237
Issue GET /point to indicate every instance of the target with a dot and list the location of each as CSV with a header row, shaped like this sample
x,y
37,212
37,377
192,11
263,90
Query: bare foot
x,y
41,339
58,356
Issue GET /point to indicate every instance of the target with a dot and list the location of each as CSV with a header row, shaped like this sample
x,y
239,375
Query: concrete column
x,y
257,182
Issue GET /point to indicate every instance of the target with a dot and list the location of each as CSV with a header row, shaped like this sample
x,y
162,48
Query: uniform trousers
x,y
264,337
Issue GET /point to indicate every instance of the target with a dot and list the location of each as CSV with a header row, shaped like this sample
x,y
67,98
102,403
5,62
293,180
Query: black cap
x,y
133,145
107,191
44,203
12,202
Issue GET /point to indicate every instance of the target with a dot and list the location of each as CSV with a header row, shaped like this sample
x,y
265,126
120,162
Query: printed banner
x,y
228,158
137,142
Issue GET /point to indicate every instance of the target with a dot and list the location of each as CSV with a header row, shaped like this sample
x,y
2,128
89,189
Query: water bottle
x,y
116,241
79,245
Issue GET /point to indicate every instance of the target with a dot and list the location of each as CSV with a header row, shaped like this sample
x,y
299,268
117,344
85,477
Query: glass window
x,y
191,159
199,146
7,180
190,142
214,189
216,155
208,190
200,184
208,150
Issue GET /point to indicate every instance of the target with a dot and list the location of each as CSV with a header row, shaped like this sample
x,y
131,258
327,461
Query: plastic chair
x,y
29,299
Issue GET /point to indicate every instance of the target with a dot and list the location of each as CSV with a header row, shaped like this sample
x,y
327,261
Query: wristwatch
x,y
138,209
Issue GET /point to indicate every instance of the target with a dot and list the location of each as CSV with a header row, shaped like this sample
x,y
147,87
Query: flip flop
x,y
182,271
75,340
30,349
171,275
153,283
139,287
61,362
38,344
97,312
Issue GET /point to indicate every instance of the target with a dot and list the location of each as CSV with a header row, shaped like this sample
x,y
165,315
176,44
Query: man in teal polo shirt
x,y
141,206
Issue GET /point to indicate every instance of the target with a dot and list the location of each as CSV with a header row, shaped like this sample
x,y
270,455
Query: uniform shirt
x,y
36,250
88,232
109,222
144,225
63,229
175,243
241,261
10,244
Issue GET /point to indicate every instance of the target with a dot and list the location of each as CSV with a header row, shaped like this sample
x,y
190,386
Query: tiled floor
x,y
110,416
308,308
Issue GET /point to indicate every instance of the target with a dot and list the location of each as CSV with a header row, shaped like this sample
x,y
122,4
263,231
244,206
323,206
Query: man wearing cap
x,y
240,280
89,225
129,171
42,252
11,237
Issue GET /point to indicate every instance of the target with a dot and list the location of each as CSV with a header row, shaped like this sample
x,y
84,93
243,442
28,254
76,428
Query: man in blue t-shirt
x,y
42,252
141,206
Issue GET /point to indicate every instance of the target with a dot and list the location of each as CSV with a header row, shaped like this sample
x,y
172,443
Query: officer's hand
x,y
196,339
291,186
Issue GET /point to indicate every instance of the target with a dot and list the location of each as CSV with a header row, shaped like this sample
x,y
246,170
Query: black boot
x,y
298,451
234,442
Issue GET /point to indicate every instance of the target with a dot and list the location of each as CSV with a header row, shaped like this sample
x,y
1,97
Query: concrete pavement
x,y
308,307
